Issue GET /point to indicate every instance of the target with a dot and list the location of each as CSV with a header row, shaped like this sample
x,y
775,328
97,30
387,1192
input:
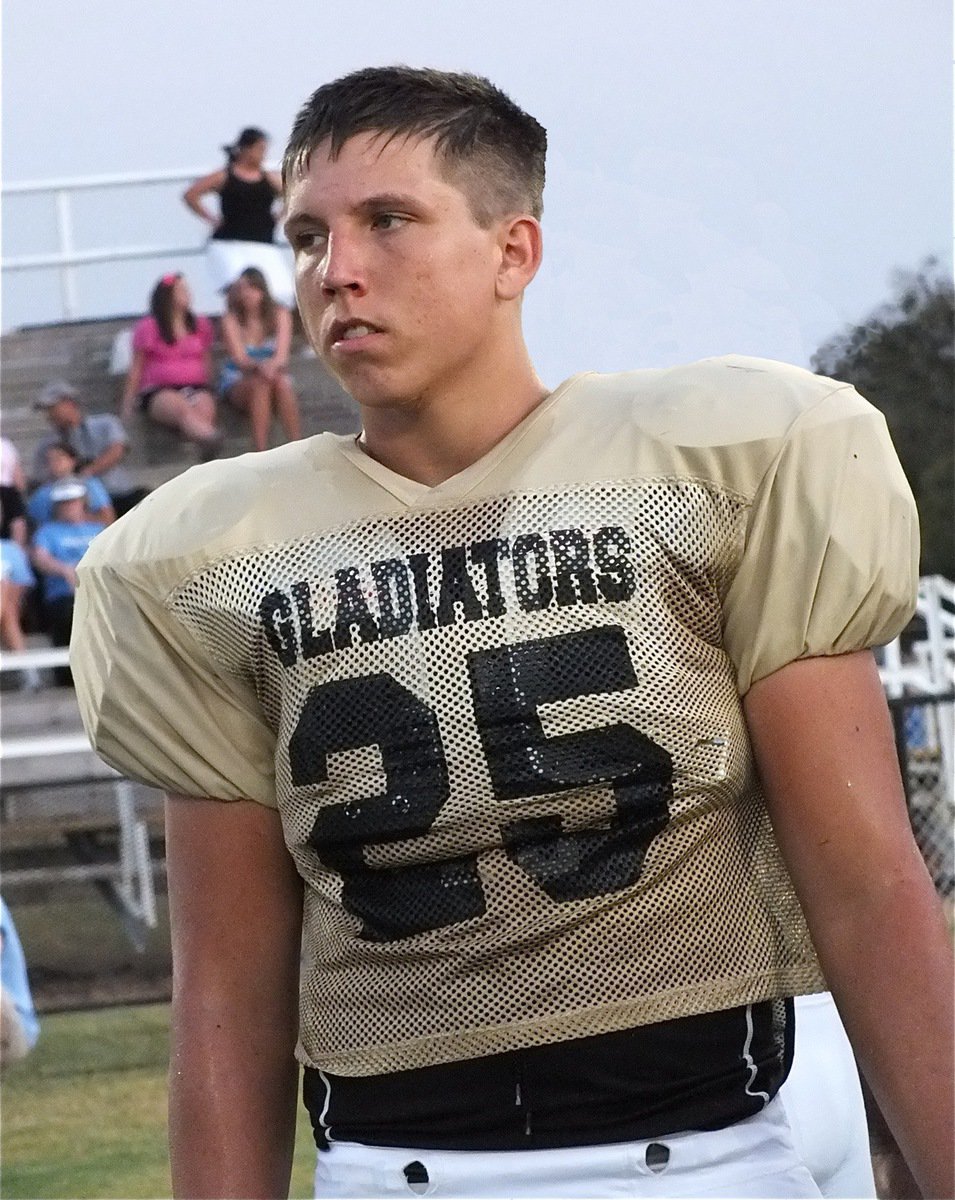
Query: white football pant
x,y
823,1101
754,1158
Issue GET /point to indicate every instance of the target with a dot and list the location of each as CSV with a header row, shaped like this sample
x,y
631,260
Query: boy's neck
x,y
430,442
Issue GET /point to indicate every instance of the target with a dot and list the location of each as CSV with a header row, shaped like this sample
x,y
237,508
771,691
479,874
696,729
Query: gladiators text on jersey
x,y
390,597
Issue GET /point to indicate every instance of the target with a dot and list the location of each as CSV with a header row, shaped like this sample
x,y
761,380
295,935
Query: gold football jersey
x,y
501,717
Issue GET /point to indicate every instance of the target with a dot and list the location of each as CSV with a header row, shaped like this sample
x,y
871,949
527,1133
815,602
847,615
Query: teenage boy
x,y
482,696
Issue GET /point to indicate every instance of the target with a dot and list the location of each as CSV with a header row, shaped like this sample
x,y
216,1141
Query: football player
x,y
544,718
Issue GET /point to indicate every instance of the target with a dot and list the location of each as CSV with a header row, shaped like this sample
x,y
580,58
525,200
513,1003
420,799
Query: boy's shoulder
x,y
715,401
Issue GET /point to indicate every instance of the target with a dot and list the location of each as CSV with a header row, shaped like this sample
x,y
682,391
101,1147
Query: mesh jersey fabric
x,y
501,717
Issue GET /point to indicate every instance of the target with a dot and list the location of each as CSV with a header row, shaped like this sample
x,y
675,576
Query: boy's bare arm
x,y
235,904
824,746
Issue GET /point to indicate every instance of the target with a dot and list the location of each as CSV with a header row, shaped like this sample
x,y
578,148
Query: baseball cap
x,y
68,489
58,389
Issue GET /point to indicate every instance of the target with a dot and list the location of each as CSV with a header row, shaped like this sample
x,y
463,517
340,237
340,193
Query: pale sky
x,y
723,175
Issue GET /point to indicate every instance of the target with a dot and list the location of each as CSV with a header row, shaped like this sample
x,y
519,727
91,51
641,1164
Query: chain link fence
x,y
921,723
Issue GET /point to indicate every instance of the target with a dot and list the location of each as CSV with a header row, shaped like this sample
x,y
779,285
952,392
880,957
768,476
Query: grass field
x,y
85,1114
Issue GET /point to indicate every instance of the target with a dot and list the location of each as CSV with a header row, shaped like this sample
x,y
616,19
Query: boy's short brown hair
x,y
490,148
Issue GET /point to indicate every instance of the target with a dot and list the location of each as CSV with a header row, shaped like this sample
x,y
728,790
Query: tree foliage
x,y
902,359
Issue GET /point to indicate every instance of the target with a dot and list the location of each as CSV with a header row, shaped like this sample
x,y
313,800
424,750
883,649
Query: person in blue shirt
x,y
16,575
58,545
19,1027
63,462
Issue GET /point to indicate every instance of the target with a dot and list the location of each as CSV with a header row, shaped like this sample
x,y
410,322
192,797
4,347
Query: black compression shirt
x,y
703,1072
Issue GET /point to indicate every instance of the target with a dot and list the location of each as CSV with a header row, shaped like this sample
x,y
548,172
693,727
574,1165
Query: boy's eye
x,y
309,239
387,221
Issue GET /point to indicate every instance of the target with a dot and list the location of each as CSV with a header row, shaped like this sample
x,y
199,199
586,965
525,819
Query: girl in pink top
x,y
169,375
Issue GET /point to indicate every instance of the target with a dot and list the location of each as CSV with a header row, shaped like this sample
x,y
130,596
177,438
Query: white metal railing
x,y
928,669
67,257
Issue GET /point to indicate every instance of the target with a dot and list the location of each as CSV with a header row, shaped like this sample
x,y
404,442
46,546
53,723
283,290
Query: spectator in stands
x,y
169,375
11,469
244,228
98,438
62,462
257,334
16,579
58,545
19,1027
13,515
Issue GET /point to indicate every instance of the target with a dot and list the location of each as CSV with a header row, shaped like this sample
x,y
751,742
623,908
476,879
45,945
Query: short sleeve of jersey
x,y
830,562
153,704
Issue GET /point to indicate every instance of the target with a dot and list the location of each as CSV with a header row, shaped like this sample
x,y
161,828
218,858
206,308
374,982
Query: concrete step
x,y
48,770
34,817
50,714
30,357
81,352
31,713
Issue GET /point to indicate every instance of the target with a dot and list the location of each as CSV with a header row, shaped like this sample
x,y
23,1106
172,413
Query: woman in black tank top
x,y
246,190
246,209
244,226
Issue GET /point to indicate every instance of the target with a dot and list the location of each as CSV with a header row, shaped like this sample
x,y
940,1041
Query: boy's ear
x,y
522,246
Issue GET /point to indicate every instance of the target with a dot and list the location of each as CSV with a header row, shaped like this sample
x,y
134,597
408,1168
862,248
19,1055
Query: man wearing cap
x,y
99,440
57,547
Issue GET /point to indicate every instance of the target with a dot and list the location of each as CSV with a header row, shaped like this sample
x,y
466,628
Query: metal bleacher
x,y
82,352
65,816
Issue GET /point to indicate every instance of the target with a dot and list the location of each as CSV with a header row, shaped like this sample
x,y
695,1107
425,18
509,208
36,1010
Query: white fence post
x,y
64,228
